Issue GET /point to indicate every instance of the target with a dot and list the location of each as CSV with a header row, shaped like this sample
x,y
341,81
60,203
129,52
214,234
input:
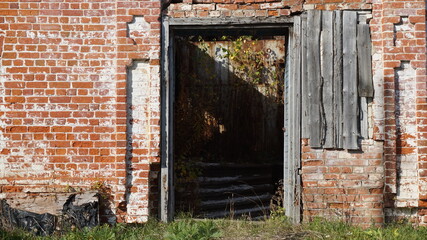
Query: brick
x,y
38,129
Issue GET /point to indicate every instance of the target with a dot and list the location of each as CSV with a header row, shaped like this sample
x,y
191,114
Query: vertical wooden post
x,y
296,139
292,146
166,189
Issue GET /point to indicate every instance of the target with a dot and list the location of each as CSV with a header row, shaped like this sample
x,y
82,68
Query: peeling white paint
x,y
138,28
3,140
408,184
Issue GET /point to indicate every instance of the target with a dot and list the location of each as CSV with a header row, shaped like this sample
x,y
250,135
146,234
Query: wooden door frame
x,y
292,118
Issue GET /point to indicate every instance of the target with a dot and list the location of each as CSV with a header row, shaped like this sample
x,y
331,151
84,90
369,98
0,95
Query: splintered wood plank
x,y
350,130
327,59
337,81
366,87
315,80
305,104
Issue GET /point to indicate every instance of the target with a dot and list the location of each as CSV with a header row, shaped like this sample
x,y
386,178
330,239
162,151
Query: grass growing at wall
x,y
190,229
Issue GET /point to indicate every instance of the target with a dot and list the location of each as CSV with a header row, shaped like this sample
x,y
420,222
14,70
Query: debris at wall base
x,y
78,210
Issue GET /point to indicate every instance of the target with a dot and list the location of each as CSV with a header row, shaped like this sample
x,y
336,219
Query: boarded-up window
x,y
336,78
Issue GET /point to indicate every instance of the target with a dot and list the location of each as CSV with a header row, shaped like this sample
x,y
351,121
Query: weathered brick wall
x,y
399,32
63,103
345,185
80,104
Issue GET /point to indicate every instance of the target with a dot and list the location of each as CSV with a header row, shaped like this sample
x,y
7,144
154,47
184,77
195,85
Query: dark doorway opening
x,y
228,121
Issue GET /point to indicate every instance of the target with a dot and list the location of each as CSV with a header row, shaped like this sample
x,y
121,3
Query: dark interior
x,y
228,120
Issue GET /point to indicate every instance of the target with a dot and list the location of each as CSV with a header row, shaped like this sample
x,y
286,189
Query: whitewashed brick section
x,y
3,159
138,28
405,29
138,132
138,96
378,104
408,185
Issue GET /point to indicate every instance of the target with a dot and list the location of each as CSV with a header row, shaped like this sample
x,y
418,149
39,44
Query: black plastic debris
x,y
79,216
39,224
77,212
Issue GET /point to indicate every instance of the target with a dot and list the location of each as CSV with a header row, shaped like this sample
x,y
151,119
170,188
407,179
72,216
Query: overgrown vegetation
x,y
277,227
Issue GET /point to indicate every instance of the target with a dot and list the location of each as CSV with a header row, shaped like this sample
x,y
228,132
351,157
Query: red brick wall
x,y
399,34
63,102
345,185
71,115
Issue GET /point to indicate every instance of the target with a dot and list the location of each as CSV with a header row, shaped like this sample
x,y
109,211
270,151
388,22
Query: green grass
x,y
340,230
191,229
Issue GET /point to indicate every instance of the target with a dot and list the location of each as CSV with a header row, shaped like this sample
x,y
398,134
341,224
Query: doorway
x,y
224,95
228,124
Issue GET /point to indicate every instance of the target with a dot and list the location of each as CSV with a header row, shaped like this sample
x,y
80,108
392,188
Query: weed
x,y
342,230
15,234
188,229
278,214
274,228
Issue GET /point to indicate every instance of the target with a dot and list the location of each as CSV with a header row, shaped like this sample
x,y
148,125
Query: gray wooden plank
x,y
327,68
364,133
314,77
291,129
296,138
287,190
292,124
291,132
338,78
305,115
350,103
365,85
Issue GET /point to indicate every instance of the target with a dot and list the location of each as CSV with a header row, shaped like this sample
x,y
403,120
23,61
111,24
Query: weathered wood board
x,y
327,58
314,20
305,91
365,85
336,72
350,98
337,62
296,97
